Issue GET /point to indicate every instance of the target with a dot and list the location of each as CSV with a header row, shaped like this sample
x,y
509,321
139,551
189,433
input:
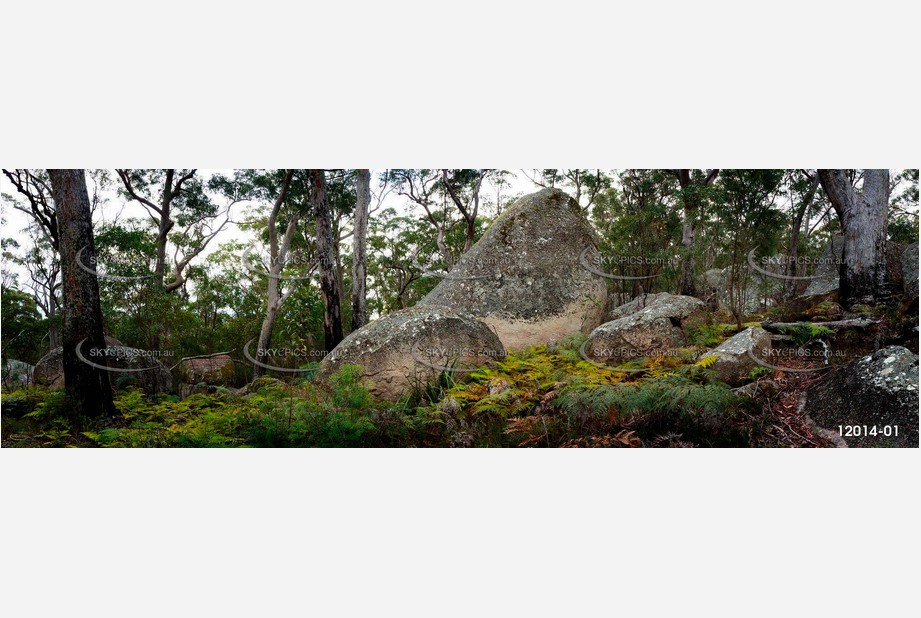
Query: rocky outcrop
x,y
910,271
638,303
127,367
735,360
656,329
875,396
215,370
527,277
410,349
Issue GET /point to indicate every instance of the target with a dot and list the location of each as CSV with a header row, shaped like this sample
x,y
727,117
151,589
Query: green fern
x,y
707,361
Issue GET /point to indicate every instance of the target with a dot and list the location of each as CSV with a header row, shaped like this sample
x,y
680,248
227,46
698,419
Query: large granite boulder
x,y
736,356
527,276
410,349
656,329
874,399
127,367
910,271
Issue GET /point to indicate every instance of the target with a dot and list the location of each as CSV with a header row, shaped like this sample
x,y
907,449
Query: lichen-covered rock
x,y
526,277
910,271
127,367
657,329
734,362
410,349
826,273
215,370
17,373
768,387
640,302
870,394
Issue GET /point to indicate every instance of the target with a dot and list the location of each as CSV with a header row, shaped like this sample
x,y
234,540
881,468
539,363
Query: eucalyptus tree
x,y
279,248
326,260
861,201
693,196
803,189
87,386
743,203
43,264
450,199
359,250
583,183
187,212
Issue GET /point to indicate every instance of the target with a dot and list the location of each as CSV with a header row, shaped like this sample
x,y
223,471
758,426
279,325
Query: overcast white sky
x,y
115,207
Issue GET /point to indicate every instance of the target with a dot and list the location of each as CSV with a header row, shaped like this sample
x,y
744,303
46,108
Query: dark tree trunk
x,y
359,256
863,221
87,387
326,254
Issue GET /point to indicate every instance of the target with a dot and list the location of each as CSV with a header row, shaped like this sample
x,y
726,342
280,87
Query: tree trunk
x,y
789,287
690,204
687,285
265,334
53,328
277,256
359,255
863,221
88,387
326,254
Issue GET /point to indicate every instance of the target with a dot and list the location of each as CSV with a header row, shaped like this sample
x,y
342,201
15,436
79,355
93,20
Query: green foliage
x,y
23,326
688,401
21,402
803,333
707,361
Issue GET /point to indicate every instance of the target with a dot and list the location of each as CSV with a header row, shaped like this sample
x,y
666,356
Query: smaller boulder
x,y
735,360
872,401
656,329
17,373
632,306
214,370
410,349
126,367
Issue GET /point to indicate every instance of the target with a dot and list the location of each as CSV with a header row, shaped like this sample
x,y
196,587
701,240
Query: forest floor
x,y
536,398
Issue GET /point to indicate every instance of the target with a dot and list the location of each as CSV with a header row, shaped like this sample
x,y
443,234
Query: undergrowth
x,y
543,396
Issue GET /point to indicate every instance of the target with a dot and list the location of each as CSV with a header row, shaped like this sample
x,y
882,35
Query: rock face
x,y
826,272
640,302
526,277
757,292
910,271
139,367
876,391
17,373
411,348
734,356
654,330
214,370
